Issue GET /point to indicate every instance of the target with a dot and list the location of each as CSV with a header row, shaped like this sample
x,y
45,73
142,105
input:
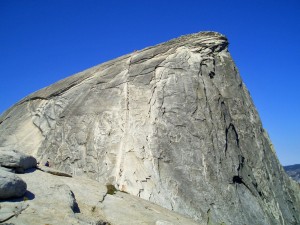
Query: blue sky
x,y
42,42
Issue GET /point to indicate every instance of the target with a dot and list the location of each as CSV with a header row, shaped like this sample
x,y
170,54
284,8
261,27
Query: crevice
x,y
75,208
255,185
35,98
172,207
53,171
207,104
115,86
127,97
226,141
154,90
241,163
197,92
141,60
123,146
54,94
140,191
15,213
224,111
66,159
103,198
205,93
239,180
231,127
208,216
162,109
219,47
211,74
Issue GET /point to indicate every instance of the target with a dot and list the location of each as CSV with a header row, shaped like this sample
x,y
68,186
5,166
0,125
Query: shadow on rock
x,y
30,170
75,206
28,196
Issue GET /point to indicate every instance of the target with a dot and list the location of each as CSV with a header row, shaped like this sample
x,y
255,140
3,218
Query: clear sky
x,y
43,41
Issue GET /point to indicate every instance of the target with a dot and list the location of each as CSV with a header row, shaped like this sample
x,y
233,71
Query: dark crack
x,y
231,128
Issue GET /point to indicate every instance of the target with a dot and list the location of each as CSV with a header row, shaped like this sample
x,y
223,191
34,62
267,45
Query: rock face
x,y
173,124
293,171
11,186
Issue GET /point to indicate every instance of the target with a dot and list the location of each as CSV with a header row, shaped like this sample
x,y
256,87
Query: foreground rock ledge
x,y
62,200
173,124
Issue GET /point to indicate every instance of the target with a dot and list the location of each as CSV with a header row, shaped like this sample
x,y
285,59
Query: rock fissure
x,y
15,213
231,129
55,93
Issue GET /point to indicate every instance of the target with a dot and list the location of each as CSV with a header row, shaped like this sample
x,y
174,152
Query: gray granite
x,y
173,124
16,160
11,186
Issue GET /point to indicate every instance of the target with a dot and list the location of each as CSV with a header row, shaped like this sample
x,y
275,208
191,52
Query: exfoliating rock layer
x,y
172,124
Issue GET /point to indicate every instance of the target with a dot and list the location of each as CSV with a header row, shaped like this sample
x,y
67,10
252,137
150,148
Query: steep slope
x,y
173,124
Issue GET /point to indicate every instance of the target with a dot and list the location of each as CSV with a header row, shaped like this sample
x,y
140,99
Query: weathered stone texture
x,y
59,200
173,124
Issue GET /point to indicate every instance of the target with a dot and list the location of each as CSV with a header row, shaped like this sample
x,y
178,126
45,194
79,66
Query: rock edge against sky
x,y
173,124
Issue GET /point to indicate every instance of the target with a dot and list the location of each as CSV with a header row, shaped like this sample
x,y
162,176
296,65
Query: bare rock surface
x,y
62,200
9,211
11,170
173,124
11,185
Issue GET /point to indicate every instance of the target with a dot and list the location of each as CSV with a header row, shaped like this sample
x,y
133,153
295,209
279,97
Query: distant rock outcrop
x,y
293,171
173,124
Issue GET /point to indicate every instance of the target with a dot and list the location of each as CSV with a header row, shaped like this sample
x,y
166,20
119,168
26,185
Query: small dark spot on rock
x,y
211,74
237,179
111,189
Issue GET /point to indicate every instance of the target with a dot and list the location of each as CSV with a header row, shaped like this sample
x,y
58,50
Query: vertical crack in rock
x,y
123,146
230,132
241,164
206,97
238,179
154,89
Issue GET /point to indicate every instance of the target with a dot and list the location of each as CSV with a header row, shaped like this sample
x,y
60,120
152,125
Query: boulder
x,y
16,160
11,186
